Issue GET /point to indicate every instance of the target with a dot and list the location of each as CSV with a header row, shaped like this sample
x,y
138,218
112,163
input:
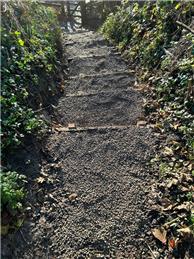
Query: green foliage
x,y
147,29
151,40
161,51
11,191
30,37
117,27
174,93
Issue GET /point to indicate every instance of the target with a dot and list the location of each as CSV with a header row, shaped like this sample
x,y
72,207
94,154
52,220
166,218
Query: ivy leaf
x,y
17,33
21,42
177,6
40,179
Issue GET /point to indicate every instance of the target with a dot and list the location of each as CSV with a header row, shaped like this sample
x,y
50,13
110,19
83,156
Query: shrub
x,y
162,51
155,44
146,29
30,36
12,192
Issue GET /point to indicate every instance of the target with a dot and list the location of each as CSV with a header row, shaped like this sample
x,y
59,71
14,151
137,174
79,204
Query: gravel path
x,y
94,201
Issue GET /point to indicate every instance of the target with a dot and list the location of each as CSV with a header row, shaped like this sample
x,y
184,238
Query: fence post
x,y
83,13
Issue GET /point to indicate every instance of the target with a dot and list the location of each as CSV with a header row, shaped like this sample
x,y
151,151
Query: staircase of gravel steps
x,y
95,205
102,154
99,91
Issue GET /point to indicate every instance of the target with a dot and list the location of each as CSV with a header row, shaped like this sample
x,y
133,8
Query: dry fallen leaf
x,y
158,126
185,178
175,126
168,151
40,179
184,206
186,230
190,167
42,220
172,243
184,189
72,196
168,208
160,234
172,182
165,202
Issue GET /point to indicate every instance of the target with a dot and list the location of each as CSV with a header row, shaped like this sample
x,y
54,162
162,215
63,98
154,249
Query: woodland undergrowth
x,y
30,36
157,40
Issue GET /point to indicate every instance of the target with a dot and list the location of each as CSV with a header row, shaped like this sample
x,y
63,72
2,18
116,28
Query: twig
x,y
41,109
167,52
151,251
185,26
170,222
48,250
23,236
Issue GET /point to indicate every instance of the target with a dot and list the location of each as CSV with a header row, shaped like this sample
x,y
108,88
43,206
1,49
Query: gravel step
x,y
89,44
96,64
102,109
83,50
97,55
100,82
94,198
103,74
106,173
91,93
81,129
88,39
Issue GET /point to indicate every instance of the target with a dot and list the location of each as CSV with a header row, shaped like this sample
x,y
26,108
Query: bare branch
x,y
185,26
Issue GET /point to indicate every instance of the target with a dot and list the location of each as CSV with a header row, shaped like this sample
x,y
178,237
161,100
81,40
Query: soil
x,y
92,193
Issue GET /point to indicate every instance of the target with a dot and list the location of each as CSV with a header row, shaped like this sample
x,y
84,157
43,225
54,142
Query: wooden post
x,y
68,9
83,13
